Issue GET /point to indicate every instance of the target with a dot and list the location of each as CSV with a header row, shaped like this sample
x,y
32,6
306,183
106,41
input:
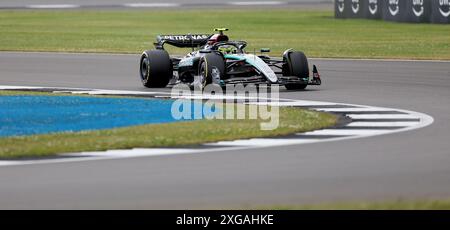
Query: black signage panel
x,y
372,9
355,8
394,10
418,11
440,11
411,11
341,8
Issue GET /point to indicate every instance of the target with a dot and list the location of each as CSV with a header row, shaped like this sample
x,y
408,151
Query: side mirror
x,y
265,50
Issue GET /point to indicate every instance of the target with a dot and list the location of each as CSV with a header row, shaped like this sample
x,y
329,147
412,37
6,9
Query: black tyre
x,y
297,65
155,68
211,69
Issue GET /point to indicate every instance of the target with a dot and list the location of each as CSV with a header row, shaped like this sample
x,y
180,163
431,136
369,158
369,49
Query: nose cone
x,y
263,67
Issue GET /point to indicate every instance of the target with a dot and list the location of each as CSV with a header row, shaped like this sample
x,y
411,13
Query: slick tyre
x,y
211,69
297,65
155,68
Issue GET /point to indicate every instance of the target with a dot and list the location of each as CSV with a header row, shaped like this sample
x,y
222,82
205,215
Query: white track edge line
x,y
425,120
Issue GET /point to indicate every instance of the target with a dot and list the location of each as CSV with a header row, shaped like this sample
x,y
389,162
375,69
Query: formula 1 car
x,y
217,60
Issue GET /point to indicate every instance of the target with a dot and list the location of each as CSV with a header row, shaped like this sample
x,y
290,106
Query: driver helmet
x,y
217,38
227,49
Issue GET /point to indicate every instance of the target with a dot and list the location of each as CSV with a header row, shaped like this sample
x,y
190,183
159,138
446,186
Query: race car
x,y
217,60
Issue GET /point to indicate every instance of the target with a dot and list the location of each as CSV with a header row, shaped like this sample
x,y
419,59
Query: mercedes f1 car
x,y
217,60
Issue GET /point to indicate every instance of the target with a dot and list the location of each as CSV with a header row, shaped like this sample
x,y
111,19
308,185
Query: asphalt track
x,y
413,164
158,4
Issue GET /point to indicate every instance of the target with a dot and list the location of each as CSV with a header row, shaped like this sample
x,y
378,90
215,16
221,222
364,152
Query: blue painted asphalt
x,y
27,115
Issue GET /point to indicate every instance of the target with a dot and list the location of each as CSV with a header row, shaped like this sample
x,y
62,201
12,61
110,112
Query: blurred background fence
x,y
412,11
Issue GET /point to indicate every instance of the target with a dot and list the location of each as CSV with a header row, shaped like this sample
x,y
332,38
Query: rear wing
x,y
182,41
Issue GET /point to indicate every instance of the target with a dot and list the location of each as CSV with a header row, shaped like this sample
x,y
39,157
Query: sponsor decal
x,y
442,5
393,6
185,37
417,7
186,62
373,6
355,6
341,6
262,66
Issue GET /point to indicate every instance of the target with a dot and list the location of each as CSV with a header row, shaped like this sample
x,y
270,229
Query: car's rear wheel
x,y
296,65
155,68
211,69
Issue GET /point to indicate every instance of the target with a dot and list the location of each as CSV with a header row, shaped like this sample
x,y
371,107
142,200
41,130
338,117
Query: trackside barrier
x,y
418,11
412,11
440,11
340,8
350,8
372,9
394,10
356,8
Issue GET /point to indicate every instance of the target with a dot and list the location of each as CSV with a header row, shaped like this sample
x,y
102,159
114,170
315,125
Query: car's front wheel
x,y
211,69
296,65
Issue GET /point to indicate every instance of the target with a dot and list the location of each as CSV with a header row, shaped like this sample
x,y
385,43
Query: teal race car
x,y
217,60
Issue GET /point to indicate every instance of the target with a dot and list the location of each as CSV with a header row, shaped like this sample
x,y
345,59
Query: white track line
x,y
6,87
346,132
295,103
131,152
53,6
383,124
215,97
257,3
382,116
151,5
349,110
9,163
262,142
360,129
107,92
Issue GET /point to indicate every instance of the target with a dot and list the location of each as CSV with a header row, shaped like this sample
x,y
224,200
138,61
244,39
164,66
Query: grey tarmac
x,y
411,165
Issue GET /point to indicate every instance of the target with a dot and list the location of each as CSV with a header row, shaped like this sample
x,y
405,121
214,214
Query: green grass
x,y
400,204
315,32
158,135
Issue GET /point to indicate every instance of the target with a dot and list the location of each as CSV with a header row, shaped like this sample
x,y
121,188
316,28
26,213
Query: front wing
x,y
282,80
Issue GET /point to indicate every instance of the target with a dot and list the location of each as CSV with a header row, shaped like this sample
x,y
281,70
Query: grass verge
x,y
158,135
400,204
315,32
